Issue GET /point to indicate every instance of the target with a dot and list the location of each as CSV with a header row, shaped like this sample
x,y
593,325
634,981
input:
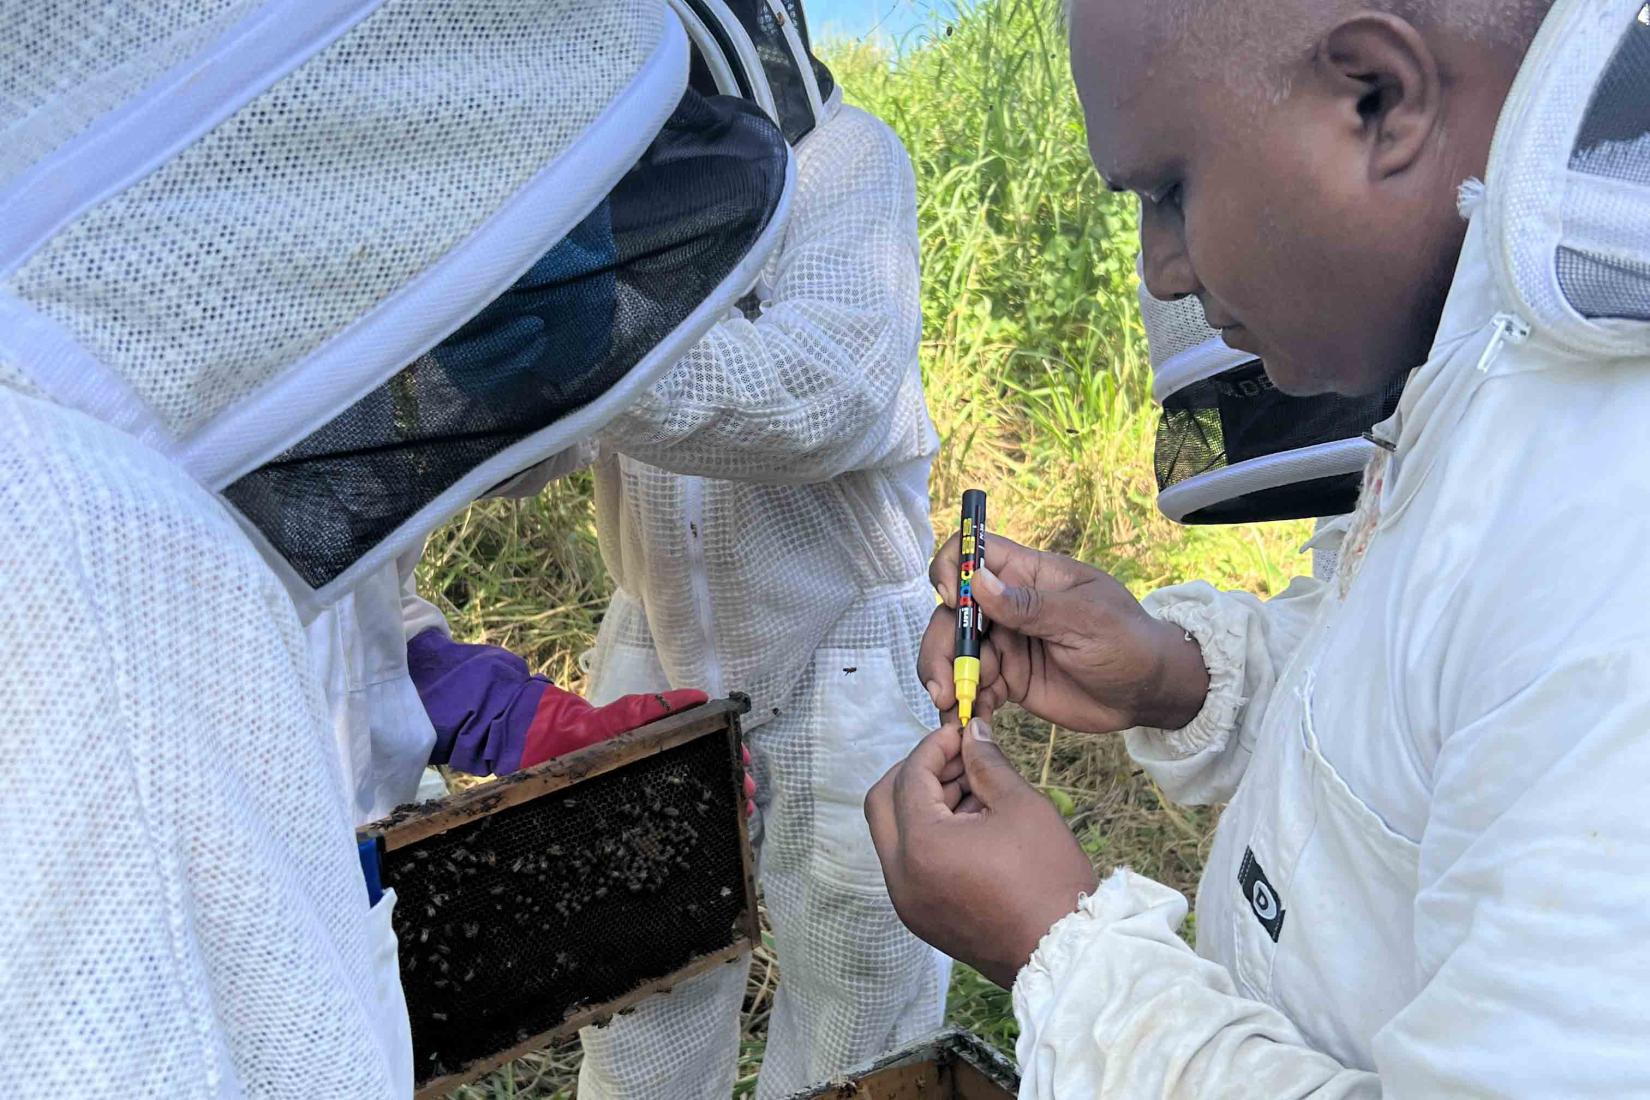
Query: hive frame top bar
x,y
417,822
963,1060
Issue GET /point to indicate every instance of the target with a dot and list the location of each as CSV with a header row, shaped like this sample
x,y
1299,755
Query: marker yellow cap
x,y
966,671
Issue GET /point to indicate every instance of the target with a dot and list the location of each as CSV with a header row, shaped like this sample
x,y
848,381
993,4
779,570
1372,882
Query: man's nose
x,y
1165,267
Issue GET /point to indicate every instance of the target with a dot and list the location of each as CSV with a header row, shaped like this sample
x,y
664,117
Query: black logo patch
x,y
1263,900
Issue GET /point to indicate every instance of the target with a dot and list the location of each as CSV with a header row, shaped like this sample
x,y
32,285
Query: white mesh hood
x,y
1554,274
760,50
223,223
283,173
1567,201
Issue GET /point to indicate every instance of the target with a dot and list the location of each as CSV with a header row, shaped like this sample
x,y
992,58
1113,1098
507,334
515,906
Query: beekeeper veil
x,y
1567,203
1231,447
760,50
351,264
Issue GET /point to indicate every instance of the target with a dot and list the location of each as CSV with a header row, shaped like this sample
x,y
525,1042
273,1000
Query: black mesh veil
x,y
1237,418
765,28
571,329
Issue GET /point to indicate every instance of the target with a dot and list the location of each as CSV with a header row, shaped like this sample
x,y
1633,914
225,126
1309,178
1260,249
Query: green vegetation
x,y
1038,381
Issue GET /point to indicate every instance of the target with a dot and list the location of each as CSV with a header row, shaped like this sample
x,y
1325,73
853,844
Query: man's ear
x,y
1386,75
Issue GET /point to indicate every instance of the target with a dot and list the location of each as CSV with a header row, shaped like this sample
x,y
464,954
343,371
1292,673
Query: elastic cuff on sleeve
x,y
1120,896
1222,644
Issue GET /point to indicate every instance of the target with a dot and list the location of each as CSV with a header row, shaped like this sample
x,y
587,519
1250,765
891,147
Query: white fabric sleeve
x,y
533,480
1245,641
1530,925
825,380
1113,1003
1532,936
417,613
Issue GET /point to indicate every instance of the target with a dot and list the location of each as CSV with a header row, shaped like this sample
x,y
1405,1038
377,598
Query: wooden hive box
x,y
533,905
953,1065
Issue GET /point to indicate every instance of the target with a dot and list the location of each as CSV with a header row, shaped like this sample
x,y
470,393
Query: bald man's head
x,y
1260,38
1298,161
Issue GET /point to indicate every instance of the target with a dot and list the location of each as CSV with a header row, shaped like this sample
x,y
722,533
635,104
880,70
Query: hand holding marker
x,y
970,626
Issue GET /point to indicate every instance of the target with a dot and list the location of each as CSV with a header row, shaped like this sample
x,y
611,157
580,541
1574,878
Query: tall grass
x,y
1038,381
1036,364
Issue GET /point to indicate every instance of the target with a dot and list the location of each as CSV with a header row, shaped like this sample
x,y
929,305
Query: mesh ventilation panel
x,y
64,63
790,95
1176,332
328,191
1244,451
52,46
823,78
573,326
1618,118
822,73
699,74
1614,143
523,916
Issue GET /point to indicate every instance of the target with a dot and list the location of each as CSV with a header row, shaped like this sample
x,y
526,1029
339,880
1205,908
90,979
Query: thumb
x,y
1021,609
991,777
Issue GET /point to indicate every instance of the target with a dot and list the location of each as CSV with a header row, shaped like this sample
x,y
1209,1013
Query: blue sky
x,y
886,19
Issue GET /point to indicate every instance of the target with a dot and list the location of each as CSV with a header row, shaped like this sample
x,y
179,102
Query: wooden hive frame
x,y
415,825
953,1065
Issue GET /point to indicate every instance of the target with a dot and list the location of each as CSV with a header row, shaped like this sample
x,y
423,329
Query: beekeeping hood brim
x,y
229,229
1231,447
1555,271
760,50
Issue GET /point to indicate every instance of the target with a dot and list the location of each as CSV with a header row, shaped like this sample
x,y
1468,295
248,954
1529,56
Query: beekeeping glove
x,y
491,716
563,722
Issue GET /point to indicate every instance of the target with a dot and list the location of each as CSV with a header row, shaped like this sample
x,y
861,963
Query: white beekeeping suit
x,y
764,511
259,264
1429,878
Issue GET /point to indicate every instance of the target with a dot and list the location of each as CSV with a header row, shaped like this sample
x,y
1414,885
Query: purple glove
x,y
480,699
492,717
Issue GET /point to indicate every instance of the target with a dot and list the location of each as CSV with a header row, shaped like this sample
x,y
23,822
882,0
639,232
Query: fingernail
x,y
979,729
750,808
987,580
933,687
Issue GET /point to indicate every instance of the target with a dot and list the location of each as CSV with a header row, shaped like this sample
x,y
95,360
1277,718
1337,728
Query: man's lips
x,y
1237,338
1235,335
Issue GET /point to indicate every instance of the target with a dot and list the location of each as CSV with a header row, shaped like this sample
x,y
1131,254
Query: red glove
x,y
564,722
